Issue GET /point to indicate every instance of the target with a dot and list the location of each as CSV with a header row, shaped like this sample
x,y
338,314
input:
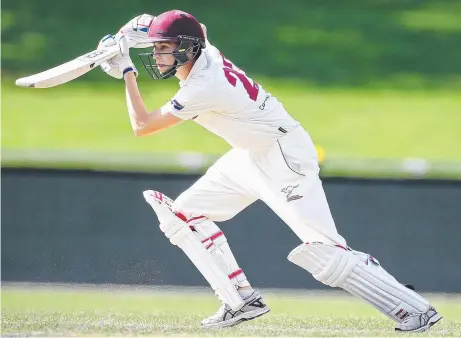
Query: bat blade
x,y
68,71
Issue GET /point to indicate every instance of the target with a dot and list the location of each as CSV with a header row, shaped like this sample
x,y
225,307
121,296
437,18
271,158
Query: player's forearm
x,y
143,122
136,108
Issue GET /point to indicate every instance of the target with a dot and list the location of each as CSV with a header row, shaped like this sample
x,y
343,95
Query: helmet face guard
x,y
186,45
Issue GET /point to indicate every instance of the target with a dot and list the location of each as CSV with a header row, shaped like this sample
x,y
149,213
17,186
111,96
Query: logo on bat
x,y
94,54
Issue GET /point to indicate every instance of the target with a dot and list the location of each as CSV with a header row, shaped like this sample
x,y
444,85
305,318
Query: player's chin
x,y
163,68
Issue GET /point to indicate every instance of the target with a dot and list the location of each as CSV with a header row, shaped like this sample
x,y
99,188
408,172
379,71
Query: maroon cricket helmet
x,y
170,25
181,28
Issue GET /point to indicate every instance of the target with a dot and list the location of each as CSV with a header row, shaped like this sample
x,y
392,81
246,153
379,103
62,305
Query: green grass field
x,y
72,311
357,44
346,123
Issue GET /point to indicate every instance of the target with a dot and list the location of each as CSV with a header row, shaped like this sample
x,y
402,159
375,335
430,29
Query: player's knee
x,y
329,264
171,224
175,230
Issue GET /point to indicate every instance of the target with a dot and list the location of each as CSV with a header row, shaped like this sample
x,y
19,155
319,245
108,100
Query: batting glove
x,y
137,30
120,65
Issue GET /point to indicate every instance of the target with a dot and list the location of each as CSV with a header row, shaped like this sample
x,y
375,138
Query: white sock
x,y
245,293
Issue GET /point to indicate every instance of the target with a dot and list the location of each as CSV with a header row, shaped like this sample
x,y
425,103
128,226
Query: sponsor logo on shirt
x,y
176,105
263,105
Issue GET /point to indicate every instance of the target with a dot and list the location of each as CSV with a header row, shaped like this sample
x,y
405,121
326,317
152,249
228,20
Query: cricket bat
x,y
69,70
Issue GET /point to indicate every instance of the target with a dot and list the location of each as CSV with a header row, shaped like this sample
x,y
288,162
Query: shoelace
x,y
423,317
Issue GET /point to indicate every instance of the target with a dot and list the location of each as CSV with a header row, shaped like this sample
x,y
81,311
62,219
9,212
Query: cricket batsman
x,y
272,159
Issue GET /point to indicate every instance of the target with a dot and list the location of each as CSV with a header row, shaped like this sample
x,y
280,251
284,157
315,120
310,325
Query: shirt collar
x,y
200,64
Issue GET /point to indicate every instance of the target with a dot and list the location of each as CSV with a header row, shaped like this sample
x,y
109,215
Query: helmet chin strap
x,y
171,72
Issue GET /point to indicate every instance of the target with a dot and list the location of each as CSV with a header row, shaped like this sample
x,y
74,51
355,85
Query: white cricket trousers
x,y
285,176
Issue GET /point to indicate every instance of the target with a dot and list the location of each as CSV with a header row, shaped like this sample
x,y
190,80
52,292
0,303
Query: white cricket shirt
x,y
220,97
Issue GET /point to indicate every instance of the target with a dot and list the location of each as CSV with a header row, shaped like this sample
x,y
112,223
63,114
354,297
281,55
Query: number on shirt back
x,y
232,74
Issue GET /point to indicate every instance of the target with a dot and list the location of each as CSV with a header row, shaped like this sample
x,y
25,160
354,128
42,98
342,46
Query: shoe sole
x,y
238,320
434,319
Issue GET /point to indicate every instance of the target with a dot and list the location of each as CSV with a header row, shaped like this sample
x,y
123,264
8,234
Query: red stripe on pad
x,y
235,273
209,245
181,216
185,219
216,235
194,218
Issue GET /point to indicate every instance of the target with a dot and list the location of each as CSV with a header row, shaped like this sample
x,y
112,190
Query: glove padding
x,y
137,30
120,64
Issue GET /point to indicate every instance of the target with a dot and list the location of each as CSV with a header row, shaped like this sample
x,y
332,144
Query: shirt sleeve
x,y
188,103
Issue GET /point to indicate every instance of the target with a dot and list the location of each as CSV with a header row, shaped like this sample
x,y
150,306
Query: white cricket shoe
x,y
419,322
254,307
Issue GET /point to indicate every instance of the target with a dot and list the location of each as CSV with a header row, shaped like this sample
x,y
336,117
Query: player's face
x,y
162,55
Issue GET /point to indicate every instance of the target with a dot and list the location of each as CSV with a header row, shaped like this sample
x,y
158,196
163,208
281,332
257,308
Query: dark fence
x,y
95,227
